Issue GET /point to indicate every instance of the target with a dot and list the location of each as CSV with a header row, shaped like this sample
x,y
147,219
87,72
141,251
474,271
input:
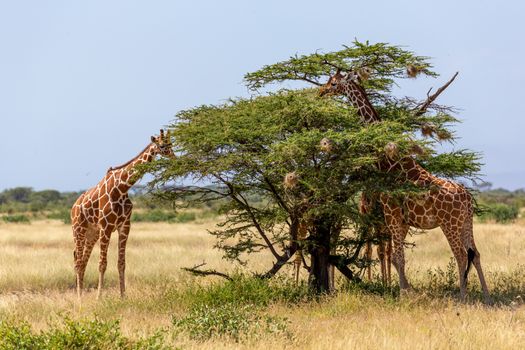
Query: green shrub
x,y
17,218
19,336
230,320
501,213
155,215
185,217
159,215
73,334
243,291
62,215
86,334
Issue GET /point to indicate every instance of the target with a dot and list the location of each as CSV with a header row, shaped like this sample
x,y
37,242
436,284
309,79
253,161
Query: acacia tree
x,y
244,149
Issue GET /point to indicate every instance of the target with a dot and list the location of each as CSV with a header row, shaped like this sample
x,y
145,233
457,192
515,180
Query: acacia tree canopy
x,y
245,148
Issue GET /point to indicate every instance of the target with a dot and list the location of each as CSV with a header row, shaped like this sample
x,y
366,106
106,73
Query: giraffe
x,y
384,244
300,220
105,208
368,114
446,204
302,232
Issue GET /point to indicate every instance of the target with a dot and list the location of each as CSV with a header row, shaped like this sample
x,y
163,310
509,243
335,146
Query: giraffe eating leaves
x,y
105,208
446,203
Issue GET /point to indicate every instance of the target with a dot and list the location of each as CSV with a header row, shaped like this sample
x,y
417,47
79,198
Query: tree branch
x,y
334,65
257,226
304,77
195,270
430,98
340,263
281,261
273,190
244,203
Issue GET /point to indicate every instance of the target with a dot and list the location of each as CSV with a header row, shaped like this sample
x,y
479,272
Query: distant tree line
x,y
16,203
23,204
501,205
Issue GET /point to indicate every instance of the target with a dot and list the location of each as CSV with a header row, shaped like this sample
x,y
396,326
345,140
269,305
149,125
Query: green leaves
x,y
385,61
240,152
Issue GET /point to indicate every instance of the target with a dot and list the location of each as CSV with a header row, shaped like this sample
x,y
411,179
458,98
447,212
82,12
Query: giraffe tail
x,y
471,254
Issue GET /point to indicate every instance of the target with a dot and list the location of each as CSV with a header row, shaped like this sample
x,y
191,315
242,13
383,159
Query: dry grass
x,y
37,285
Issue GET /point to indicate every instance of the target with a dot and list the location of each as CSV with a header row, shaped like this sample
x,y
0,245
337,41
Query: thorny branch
x,y
195,270
249,210
430,98
281,261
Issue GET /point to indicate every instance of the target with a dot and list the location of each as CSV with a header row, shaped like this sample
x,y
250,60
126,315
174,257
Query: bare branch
x,y
257,225
334,65
430,98
281,261
305,78
246,205
340,263
310,80
195,270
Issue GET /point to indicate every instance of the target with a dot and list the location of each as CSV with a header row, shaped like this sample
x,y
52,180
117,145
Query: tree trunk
x,y
321,279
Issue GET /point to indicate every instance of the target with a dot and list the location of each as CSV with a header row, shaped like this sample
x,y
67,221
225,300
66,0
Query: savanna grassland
x,y
166,307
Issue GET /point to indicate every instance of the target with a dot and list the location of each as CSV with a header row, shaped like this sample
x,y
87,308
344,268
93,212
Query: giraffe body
x,y
447,204
101,210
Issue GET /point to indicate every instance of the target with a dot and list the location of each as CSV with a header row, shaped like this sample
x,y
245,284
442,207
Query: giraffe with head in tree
x,y
446,204
368,114
105,208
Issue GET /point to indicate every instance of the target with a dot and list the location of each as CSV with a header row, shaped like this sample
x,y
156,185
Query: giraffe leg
x,y
398,230
105,235
479,270
297,265
368,257
389,261
398,255
453,236
384,251
79,236
123,232
470,245
382,257
90,241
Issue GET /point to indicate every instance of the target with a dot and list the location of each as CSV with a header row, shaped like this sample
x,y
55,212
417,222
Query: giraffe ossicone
x,y
105,208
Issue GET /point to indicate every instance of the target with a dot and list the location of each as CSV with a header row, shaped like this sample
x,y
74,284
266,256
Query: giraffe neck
x,y
412,171
126,174
357,96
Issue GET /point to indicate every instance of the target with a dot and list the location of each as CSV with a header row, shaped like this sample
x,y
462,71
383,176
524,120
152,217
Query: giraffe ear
x,y
153,139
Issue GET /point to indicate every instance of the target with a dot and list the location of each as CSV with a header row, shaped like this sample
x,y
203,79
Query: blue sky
x,y
83,85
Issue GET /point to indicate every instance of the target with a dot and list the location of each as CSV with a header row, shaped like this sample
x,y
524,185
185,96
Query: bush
x,y
72,334
501,213
230,320
243,291
63,215
159,215
18,218
185,217
155,215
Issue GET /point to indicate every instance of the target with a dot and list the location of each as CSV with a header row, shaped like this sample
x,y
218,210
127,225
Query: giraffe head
x,y
337,82
163,144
